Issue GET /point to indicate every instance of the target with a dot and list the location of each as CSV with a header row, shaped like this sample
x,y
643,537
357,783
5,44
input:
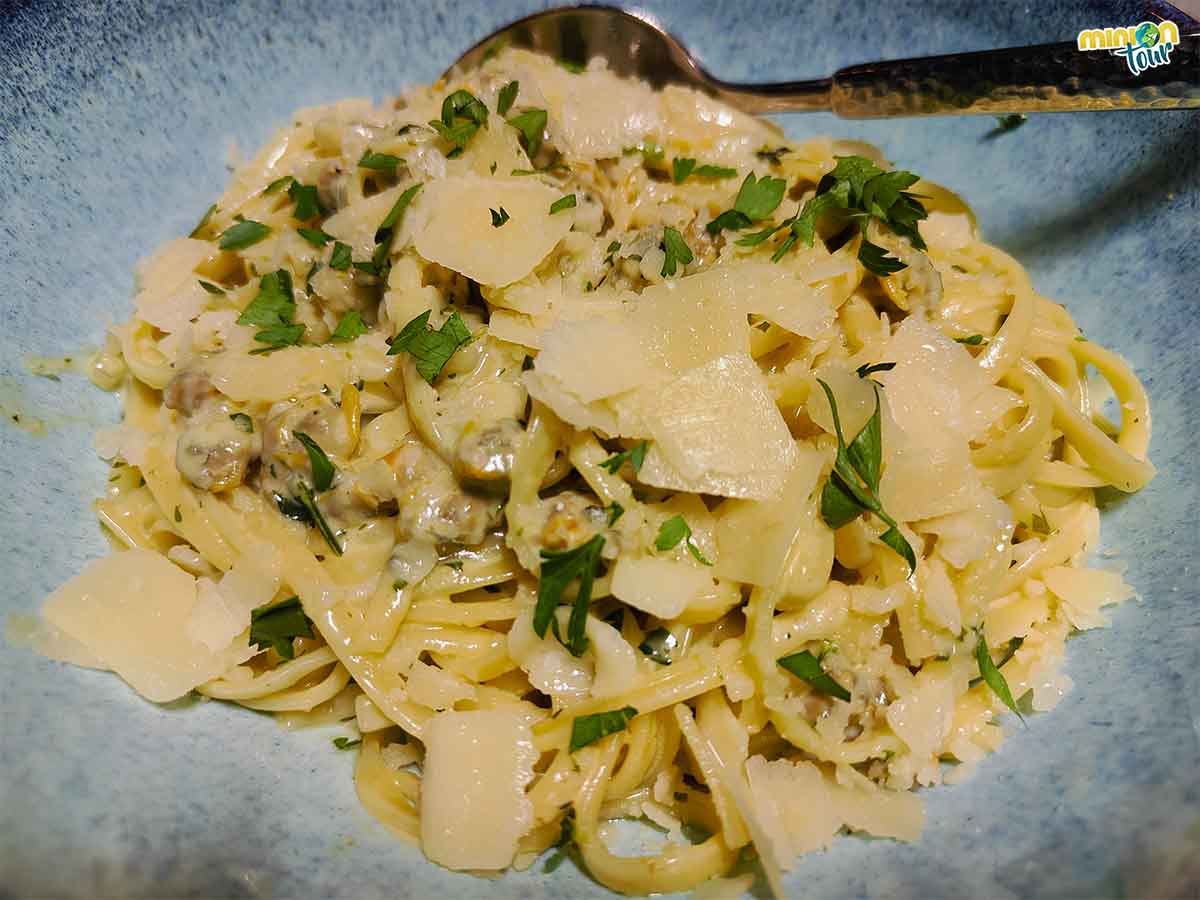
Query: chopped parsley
x,y
242,422
272,311
532,125
677,251
508,94
462,115
658,645
322,469
611,252
562,847
431,349
774,156
379,162
652,154
313,515
635,456
276,626
499,217
340,258
674,530
575,68
565,202
615,511
386,233
203,223
973,340
868,369
993,677
349,327
806,666
853,485
591,728
315,236
1010,122
860,191
243,234
682,167
558,570
345,743
277,185
308,206
756,199
211,288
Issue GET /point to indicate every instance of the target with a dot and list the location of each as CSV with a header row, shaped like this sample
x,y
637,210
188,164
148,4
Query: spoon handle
x,y
1045,78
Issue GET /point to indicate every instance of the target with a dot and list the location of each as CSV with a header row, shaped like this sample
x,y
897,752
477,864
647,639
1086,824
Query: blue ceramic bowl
x,y
114,120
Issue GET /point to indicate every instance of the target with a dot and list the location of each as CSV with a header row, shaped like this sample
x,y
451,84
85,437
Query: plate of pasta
x,y
539,483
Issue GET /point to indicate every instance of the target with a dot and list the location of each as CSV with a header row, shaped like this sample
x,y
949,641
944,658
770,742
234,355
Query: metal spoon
x,y
1044,78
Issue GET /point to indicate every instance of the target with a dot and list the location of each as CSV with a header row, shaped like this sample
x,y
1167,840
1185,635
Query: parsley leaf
x,y
559,569
315,236
875,259
993,677
462,115
277,625
348,328
772,156
379,162
277,185
340,257
243,234
677,252
308,206
715,172
806,666
277,337
866,370
635,456
431,349
322,469
309,503
853,485
591,728
1005,124
674,530
211,288
615,511
566,840
508,94
565,202
658,645
756,199
973,340
203,223
345,743
242,422
681,168
532,125
499,218
385,234
273,304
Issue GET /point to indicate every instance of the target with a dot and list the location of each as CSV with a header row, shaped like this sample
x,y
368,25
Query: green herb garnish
x,y
615,511
277,185
242,422
431,349
345,743
532,125
562,847
322,469
774,156
756,199
272,310
462,115
314,516
635,456
340,258
806,666
853,485
566,202
349,327
315,236
308,205
973,340
682,167
204,220
591,728
674,530
243,234
278,625
499,217
211,288
379,162
866,370
559,569
677,252
993,677
508,94
385,234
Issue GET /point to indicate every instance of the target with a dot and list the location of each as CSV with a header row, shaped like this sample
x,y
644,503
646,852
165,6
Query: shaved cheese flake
x,y
546,662
30,632
131,610
615,660
662,587
717,429
457,229
437,688
473,805
755,536
1082,592
170,294
922,717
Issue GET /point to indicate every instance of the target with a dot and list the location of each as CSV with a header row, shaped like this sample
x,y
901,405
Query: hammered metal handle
x,y
1046,78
